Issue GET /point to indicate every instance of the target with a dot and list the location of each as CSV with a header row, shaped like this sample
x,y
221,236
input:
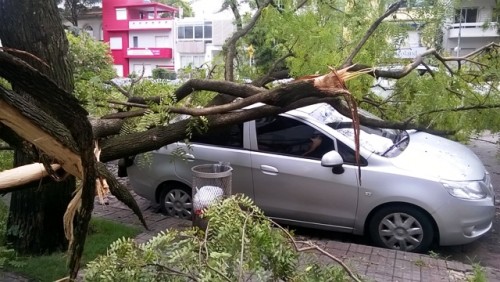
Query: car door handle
x,y
269,170
189,157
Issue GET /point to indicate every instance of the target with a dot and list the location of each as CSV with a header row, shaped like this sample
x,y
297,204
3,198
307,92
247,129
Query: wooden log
x,y
24,174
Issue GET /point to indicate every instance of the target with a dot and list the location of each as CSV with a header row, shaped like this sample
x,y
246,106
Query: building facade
x,y
198,41
91,22
140,35
473,25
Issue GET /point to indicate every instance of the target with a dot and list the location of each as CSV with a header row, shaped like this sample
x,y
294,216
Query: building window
x,y
161,41
192,60
466,15
121,14
115,43
135,42
199,31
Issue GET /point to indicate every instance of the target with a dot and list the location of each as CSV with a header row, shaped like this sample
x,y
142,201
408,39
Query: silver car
x,y
415,189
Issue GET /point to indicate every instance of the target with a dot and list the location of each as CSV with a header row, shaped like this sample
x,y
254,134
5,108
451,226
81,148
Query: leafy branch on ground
x,y
239,244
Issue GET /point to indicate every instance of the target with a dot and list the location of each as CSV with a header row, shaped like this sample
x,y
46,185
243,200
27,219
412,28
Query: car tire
x,y
403,228
176,201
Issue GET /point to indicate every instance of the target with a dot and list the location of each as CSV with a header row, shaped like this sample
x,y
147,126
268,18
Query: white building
x,y
199,40
472,26
91,22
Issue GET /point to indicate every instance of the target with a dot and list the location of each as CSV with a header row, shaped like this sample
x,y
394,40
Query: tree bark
x,y
34,225
35,218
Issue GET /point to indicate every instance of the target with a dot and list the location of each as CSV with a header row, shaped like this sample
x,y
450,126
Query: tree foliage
x,y
187,10
92,67
319,34
74,8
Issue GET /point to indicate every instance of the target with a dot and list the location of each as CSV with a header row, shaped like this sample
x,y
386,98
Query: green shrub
x,y
160,73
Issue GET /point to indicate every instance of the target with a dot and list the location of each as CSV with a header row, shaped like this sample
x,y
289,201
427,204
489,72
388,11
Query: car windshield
x,y
381,141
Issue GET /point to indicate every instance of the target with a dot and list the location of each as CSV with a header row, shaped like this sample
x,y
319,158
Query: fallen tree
x,y
52,120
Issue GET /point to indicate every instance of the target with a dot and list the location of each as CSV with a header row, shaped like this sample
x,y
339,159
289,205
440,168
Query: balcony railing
x,y
472,30
151,24
151,53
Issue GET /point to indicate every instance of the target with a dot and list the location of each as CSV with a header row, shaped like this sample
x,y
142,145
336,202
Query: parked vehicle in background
x,y
415,189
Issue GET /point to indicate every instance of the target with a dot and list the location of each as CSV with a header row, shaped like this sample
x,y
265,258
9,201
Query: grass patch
x,y
52,267
478,274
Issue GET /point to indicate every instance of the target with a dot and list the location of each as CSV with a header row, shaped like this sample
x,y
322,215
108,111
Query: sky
x,y
206,8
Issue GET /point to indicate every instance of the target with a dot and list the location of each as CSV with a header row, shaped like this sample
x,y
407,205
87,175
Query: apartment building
x,y
473,25
140,34
199,40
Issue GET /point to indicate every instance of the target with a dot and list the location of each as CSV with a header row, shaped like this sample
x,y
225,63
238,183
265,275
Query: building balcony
x,y
151,24
149,53
471,30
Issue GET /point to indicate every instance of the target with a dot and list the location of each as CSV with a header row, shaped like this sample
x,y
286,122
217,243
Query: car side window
x,y
228,136
348,154
288,136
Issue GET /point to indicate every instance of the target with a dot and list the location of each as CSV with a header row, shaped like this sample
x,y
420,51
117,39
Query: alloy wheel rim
x,y
401,231
179,204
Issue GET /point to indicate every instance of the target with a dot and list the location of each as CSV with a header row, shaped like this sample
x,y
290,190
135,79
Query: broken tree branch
x,y
393,8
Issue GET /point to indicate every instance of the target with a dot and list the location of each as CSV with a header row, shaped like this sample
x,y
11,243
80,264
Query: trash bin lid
x,y
212,170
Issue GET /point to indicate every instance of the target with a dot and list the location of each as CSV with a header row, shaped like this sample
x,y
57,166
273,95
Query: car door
x,y
227,144
296,188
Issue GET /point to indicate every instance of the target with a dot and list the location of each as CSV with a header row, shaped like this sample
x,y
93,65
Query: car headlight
x,y
466,190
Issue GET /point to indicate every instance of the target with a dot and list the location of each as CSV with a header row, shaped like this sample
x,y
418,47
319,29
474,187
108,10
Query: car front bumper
x,y
461,221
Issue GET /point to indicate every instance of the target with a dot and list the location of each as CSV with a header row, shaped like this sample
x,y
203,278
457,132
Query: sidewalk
x,y
374,264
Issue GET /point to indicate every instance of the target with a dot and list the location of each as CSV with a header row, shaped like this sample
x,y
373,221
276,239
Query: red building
x,y
140,34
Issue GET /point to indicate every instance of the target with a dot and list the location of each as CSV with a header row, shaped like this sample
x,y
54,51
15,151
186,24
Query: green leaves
x,y
240,245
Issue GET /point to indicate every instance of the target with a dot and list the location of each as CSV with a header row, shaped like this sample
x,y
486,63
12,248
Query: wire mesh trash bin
x,y
211,182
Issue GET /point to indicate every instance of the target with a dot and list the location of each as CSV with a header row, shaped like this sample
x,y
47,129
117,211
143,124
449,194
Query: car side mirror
x,y
334,160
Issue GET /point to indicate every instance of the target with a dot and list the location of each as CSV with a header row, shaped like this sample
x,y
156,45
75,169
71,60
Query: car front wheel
x,y
177,202
402,228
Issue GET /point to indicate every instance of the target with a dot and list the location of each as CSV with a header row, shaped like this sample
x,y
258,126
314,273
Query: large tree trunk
x,y
35,222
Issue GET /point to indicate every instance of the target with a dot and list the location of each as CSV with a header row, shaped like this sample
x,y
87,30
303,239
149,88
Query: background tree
x,y
187,10
74,8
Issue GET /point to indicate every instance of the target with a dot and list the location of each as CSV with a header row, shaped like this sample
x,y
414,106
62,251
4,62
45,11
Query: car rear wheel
x,y
402,228
176,201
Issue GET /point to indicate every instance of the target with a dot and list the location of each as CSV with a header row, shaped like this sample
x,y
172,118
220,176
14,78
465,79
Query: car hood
x,y
439,157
